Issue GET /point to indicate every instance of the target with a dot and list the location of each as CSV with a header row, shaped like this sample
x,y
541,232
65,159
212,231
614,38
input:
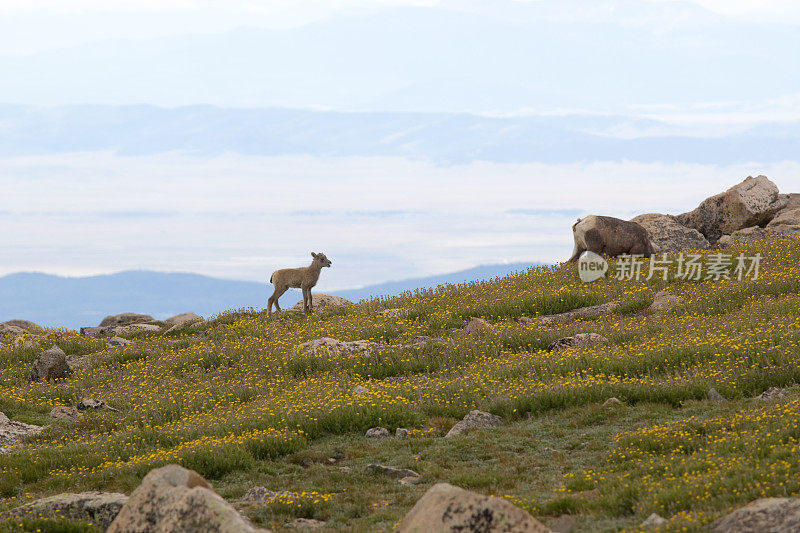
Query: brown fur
x,y
299,278
610,237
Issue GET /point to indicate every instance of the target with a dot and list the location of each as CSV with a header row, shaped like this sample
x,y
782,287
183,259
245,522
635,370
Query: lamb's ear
x,y
313,255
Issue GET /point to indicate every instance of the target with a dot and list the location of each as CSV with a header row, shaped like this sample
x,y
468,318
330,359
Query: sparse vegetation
x,y
236,403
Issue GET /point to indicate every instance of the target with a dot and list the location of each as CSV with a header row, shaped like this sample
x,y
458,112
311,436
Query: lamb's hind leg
x,y
274,298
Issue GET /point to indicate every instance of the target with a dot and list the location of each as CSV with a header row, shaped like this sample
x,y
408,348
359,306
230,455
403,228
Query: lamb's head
x,y
321,260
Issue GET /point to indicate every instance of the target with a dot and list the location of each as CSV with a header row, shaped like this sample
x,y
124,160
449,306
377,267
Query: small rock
x,y
579,340
401,433
654,520
64,412
307,523
724,241
260,495
132,328
772,393
392,313
360,390
476,326
344,469
12,432
448,508
410,480
612,402
324,301
91,403
391,471
475,419
98,507
377,433
582,312
114,342
562,524
663,301
336,348
714,396
27,341
50,365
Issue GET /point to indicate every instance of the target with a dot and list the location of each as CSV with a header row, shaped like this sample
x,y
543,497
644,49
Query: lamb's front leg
x,y
310,302
305,299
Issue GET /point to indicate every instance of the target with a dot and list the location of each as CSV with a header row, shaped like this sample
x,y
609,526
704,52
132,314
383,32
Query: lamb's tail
x,y
270,277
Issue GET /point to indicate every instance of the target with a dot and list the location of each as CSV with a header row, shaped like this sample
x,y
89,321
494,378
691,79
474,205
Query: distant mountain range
x,y
54,301
441,137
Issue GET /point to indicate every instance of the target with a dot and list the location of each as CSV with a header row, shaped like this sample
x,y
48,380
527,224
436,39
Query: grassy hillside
x,y
237,404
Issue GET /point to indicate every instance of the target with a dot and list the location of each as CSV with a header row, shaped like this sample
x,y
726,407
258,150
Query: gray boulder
x,y
49,365
123,319
445,508
98,507
668,235
754,202
174,499
12,432
473,420
9,332
324,301
377,433
476,326
579,340
773,515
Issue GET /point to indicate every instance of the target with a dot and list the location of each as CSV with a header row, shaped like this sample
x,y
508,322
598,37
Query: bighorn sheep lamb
x,y
610,237
299,278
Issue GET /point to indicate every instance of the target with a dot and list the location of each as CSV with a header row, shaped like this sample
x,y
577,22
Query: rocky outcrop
x,y
575,314
173,498
27,325
328,345
776,515
98,507
324,301
446,508
754,202
579,340
49,365
9,332
475,420
12,432
123,319
663,301
668,235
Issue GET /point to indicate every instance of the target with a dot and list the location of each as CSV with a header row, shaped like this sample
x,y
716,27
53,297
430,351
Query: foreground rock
x,y
98,507
774,515
474,420
328,345
123,319
582,312
754,202
663,301
579,340
49,365
445,508
173,499
324,301
668,235
13,432
787,222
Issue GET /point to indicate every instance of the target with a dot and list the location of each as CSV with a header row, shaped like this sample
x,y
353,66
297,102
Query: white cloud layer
x,y
379,219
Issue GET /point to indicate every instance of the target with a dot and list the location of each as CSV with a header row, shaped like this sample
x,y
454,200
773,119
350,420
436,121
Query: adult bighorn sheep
x,y
299,278
609,236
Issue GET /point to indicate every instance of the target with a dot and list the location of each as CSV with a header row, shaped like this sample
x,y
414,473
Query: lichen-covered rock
x,y
715,396
174,499
64,412
49,365
754,202
12,432
445,508
390,471
582,312
668,235
473,420
749,234
98,507
786,222
579,340
377,433
334,347
773,515
324,301
123,319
